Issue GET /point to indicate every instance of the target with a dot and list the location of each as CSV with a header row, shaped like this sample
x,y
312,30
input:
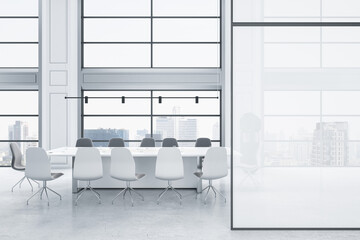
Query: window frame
x,y
22,115
151,42
37,43
153,116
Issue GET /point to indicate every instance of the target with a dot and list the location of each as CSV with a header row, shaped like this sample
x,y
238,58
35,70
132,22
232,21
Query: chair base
x,y
210,186
21,180
91,189
43,189
250,174
125,190
166,189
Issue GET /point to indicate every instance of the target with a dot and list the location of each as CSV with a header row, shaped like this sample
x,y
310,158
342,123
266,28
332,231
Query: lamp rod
x,y
141,97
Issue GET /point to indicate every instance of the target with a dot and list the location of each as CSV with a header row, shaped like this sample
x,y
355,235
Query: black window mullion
x,y
151,116
151,39
152,17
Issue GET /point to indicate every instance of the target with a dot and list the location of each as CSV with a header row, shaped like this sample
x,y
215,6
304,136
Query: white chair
x,y
214,167
38,168
170,167
88,167
18,165
123,168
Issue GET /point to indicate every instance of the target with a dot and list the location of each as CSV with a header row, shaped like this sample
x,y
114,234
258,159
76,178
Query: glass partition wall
x,y
295,120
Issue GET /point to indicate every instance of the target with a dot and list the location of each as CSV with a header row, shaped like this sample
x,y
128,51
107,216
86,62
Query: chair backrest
x,y
203,142
169,142
88,164
122,164
147,142
169,164
116,142
16,157
215,163
84,142
37,164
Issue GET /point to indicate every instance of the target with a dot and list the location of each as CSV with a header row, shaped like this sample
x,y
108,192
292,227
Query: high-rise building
x,y
19,131
187,130
165,126
140,134
330,144
216,131
106,134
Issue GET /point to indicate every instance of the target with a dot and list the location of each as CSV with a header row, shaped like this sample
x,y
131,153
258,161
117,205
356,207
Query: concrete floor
x,y
146,220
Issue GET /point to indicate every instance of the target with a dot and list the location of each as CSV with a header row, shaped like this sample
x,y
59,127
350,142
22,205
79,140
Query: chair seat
x,y
169,178
88,178
19,168
56,175
200,175
139,175
135,178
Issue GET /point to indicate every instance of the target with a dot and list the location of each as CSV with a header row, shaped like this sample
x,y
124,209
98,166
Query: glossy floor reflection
x,y
297,197
146,220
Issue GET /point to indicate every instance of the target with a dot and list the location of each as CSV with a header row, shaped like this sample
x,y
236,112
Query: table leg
x,y
74,181
199,185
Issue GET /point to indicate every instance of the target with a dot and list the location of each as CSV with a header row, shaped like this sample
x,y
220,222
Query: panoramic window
x,y
143,115
18,122
151,34
19,38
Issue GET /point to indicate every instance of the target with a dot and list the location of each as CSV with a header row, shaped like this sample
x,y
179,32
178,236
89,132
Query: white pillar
x,y
59,74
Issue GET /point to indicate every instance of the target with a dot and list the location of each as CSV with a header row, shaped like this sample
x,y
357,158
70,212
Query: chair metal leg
x,y
142,197
96,194
162,194
35,182
27,202
112,202
32,189
22,179
54,192
126,189
207,194
173,189
212,188
204,189
94,191
165,189
196,195
219,193
47,196
42,191
91,189
79,195
132,200
177,194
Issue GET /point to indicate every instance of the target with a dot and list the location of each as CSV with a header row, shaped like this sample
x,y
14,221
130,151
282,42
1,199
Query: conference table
x,y
145,159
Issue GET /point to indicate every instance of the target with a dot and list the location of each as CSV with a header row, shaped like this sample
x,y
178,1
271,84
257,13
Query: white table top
x,y
136,151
